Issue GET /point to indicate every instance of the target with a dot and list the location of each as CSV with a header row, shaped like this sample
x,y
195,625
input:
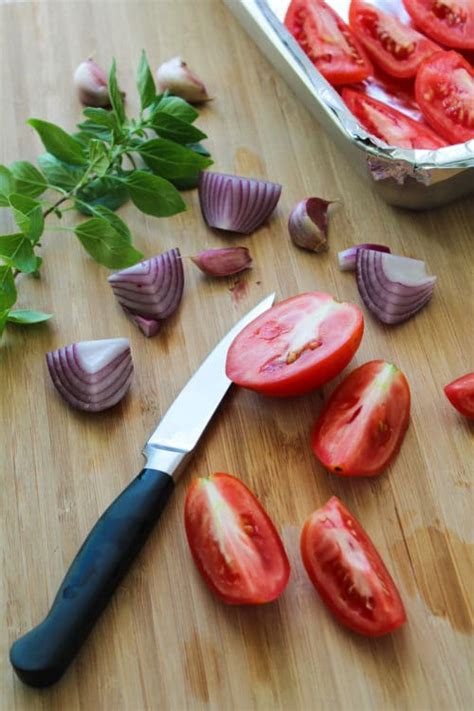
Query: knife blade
x,y
42,655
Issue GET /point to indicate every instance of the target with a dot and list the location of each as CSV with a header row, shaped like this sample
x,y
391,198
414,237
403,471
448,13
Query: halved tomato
x,y
396,48
233,541
460,394
296,346
348,573
450,22
364,421
444,89
388,124
328,41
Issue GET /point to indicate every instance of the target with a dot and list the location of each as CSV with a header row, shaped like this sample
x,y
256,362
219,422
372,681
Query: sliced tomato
x,y
396,48
296,346
388,124
233,541
364,421
348,573
444,89
450,22
460,394
328,41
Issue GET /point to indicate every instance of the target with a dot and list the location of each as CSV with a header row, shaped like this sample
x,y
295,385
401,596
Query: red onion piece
x,y
234,203
148,326
394,288
223,262
347,258
92,375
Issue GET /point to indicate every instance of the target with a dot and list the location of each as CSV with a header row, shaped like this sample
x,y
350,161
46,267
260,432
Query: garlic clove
x,y
308,224
223,262
176,77
90,81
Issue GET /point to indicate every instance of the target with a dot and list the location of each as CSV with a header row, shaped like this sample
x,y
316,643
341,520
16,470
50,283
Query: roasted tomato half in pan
x,y
328,42
450,22
233,541
460,394
348,573
296,346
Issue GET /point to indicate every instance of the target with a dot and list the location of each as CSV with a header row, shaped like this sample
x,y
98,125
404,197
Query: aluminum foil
x,y
414,179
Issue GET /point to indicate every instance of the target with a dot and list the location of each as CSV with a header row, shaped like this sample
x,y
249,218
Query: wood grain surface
x,y
164,642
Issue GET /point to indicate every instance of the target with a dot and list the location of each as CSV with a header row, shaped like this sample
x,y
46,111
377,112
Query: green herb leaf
x,y
108,191
145,82
17,251
28,215
59,143
27,317
3,320
177,107
171,160
7,185
116,98
60,174
106,245
173,128
7,288
101,117
90,130
29,180
116,222
153,195
98,157
198,148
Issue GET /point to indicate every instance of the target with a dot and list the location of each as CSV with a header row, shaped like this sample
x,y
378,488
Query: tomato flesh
x,y
450,22
328,41
296,346
444,89
363,424
233,541
348,573
388,124
460,394
393,46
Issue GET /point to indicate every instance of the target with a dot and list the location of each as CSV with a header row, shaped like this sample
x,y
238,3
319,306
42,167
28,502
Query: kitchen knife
x,y
43,654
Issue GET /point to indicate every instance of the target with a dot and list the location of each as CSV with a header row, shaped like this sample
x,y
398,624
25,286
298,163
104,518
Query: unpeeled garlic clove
x,y
223,262
176,77
308,224
90,81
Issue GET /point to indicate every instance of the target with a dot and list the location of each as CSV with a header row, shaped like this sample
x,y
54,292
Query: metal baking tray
x,y
415,179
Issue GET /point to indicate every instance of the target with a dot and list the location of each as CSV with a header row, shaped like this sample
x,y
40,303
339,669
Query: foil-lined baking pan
x,y
416,179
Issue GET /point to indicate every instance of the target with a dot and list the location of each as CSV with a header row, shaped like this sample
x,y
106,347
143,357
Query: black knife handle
x,y
42,655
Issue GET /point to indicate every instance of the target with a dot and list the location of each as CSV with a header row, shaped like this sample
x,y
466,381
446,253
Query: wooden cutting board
x,y
165,642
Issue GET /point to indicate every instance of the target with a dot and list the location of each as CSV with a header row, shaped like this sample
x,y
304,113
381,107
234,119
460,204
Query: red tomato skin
x,y
433,19
433,76
268,541
335,71
386,600
342,447
302,381
460,394
364,19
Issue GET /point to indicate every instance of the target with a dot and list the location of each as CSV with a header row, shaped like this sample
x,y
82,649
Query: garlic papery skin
x,y
176,77
308,224
223,262
91,84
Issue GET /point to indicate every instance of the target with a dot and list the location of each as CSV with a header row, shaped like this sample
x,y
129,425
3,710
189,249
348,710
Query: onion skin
x,y
234,203
308,224
348,257
223,262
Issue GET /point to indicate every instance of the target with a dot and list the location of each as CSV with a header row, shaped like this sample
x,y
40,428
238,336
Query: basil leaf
x,y
58,142
7,288
101,117
98,157
17,251
145,82
116,222
177,107
173,128
171,160
107,246
28,215
3,320
116,98
90,130
61,175
198,148
108,191
153,195
29,181
186,183
7,185
26,317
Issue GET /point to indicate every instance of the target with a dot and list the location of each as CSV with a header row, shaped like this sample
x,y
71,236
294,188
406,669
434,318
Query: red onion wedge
x,y
92,375
347,258
236,204
150,291
394,288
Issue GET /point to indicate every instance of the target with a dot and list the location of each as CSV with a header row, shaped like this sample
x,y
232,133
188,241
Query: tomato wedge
x,y
444,89
393,46
364,421
460,394
348,573
328,42
296,346
388,124
450,22
233,541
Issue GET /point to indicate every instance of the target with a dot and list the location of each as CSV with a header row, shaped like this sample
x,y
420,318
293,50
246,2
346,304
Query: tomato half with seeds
x,y
396,48
328,42
444,89
348,573
450,22
362,426
296,346
460,394
388,124
233,541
